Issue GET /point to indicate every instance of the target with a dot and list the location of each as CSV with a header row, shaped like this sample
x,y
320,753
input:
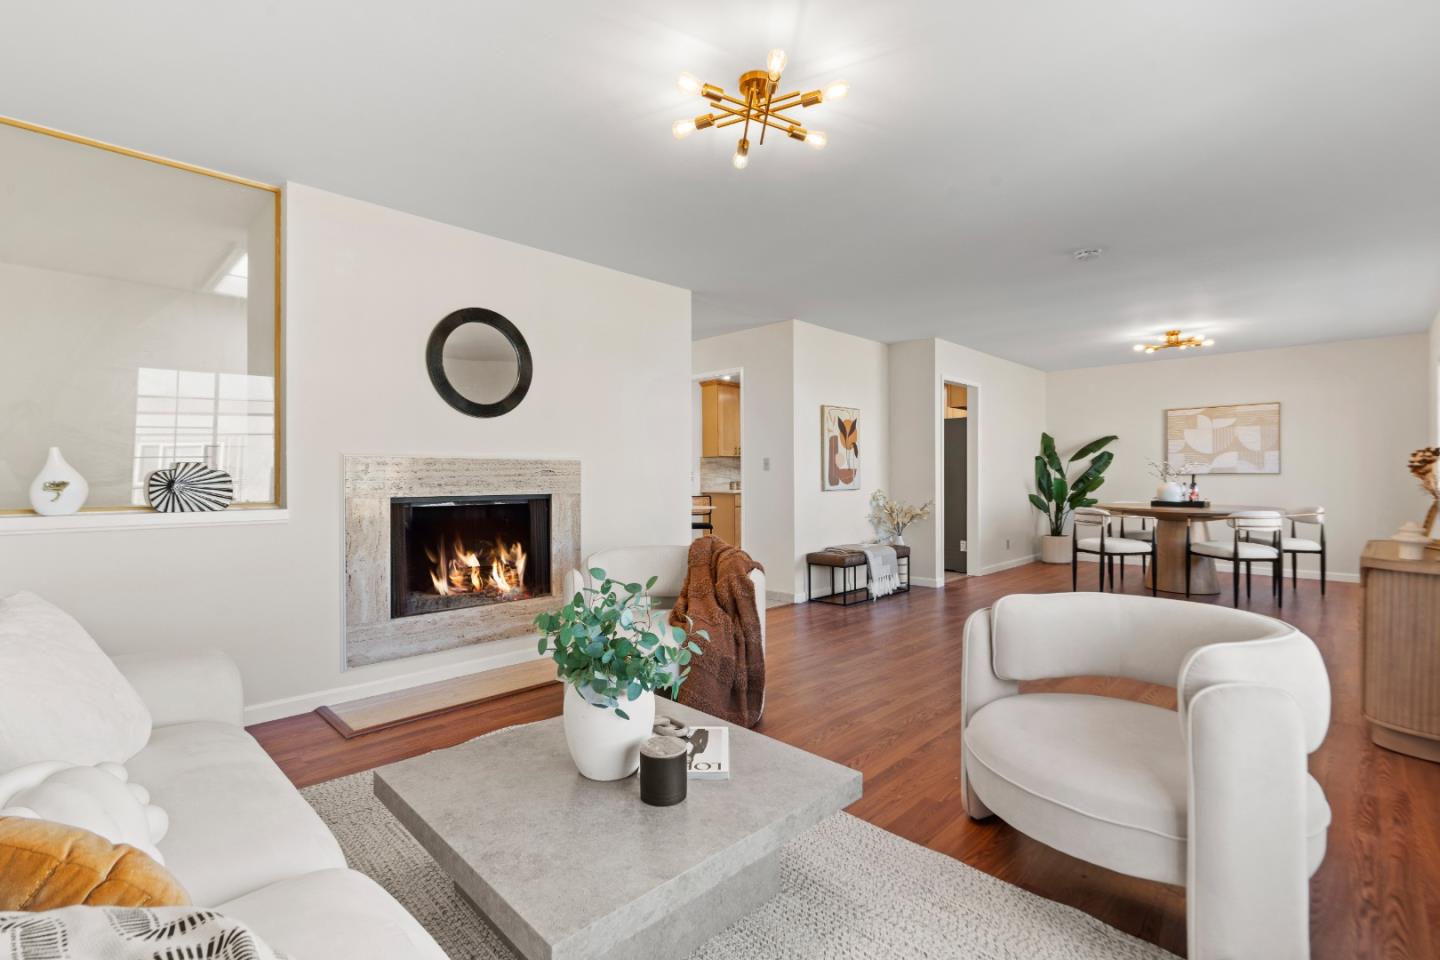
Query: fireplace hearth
x,y
448,553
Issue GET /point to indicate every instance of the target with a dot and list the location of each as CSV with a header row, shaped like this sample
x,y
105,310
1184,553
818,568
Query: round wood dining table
x,y
1170,523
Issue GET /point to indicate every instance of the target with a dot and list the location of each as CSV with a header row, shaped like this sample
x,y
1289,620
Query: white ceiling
x,y
1267,173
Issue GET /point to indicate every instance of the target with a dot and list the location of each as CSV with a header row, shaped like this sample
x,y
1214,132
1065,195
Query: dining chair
x,y
1107,548
700,513
1296,544
1255,537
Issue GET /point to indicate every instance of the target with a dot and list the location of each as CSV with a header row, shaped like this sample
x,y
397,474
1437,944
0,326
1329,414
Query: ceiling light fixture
x,y
1173,338
761,105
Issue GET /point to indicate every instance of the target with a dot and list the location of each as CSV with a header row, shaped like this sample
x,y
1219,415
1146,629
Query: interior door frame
x,y
695,380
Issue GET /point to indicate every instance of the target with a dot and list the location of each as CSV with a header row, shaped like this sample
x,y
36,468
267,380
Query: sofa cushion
x,y
1102,779
98,799
236,823
333,915
49,866
60,697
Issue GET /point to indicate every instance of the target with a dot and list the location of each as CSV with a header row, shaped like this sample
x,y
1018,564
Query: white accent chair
x,y
1255,538
668,563
1215,797
1096,540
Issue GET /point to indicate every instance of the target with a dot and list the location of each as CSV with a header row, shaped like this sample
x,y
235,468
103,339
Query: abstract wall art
x,y
839,448
1235,438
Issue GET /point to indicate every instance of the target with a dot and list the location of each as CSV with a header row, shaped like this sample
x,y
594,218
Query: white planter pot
x,y
1055,549
58,488
603,745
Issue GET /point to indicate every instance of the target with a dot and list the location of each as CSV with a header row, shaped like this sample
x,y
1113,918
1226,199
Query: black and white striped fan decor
x,y
189,488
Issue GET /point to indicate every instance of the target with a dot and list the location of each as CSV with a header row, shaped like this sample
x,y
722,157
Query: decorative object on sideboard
x,y
1171,490
58,489
1231,438
1423,464
189,487
840,448
1057,496
1411,540
761,105
613,650
479,362
891,517
663,781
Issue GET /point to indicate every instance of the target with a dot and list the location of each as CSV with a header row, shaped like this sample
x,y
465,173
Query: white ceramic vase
x,y
1054,549
604,745
1172,492
58,488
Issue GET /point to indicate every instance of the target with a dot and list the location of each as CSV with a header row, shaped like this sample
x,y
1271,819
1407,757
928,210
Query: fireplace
x,y
447,553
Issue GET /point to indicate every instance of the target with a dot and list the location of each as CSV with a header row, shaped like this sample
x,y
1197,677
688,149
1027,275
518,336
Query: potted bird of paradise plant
x,y
1057,496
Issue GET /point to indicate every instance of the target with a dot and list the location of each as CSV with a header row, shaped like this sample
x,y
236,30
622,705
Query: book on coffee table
x,y
709,754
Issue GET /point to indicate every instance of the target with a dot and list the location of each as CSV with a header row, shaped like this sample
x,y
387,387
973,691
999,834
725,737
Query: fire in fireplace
x,y
452,552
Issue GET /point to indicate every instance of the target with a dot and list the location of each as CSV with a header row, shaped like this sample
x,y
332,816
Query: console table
x,y
1400,631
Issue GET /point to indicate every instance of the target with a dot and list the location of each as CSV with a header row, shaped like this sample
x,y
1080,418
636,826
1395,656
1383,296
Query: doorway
x,y
716,458
956,491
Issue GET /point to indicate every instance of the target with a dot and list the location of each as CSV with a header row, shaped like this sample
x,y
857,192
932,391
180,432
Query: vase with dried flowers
x,y
1422,466
892,516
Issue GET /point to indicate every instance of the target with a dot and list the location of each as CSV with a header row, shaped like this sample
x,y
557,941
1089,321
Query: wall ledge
x,y
138,520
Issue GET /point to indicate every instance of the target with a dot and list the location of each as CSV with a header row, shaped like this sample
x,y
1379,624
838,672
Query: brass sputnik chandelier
x,y
761,105
1174,339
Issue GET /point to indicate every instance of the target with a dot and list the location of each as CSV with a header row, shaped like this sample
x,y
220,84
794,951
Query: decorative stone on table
x,y
663,775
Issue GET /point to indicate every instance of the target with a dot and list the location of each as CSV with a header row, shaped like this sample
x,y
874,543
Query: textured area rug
x,y
848,890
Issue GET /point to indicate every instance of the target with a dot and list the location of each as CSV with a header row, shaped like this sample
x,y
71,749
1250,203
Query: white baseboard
x,y
1008,564
930,582
304,703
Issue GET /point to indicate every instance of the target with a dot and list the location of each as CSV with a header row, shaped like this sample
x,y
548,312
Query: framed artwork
x,y
839,448
1235,438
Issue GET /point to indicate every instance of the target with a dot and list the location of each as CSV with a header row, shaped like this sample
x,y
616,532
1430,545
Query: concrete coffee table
x,y
566,868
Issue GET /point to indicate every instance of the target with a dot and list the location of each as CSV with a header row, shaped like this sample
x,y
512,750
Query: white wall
x,y
1350,413
365,287
767,391
839,369
1433,398
790,370
1007,415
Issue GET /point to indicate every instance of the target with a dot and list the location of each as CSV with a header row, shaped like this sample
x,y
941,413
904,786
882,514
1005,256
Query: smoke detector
x,y
1086,253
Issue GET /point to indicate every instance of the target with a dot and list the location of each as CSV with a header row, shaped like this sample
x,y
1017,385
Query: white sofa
x,y
1215,797
241,839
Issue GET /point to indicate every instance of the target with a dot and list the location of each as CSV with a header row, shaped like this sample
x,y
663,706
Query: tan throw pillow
x,y
46,866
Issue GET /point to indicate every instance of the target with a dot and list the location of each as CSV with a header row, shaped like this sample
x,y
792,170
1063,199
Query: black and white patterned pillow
x,y
128,933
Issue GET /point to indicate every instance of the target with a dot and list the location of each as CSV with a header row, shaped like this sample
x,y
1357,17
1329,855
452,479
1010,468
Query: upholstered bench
x,y
849,563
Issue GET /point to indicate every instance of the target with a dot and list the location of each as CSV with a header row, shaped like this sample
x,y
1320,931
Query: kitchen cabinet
x,y
719,418
726,516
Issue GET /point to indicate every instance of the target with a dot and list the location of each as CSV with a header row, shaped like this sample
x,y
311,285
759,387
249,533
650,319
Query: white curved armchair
x,y
1216,798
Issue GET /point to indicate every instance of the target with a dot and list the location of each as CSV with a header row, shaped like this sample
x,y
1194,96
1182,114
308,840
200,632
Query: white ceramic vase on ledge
x,y
58,488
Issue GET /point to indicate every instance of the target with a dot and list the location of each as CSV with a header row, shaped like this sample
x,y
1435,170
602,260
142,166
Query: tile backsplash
x,y
717,472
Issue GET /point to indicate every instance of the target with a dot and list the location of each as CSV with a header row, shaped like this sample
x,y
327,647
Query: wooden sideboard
x,y
1400,631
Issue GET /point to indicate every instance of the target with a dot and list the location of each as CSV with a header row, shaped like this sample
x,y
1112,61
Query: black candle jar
x,y
663,775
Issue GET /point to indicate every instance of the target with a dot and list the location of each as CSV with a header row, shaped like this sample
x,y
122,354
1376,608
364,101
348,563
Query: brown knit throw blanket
x,y
728,679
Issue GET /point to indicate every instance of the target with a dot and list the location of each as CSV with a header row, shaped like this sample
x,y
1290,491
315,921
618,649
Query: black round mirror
x,y
479,362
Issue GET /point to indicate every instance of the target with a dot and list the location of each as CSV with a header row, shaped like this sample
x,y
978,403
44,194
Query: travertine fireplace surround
x,y
371,634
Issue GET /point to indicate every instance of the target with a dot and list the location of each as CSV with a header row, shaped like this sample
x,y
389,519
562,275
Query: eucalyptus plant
x,y
1057,496
605,642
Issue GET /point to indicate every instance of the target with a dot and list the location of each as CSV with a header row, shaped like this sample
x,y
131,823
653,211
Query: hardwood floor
x,y
877,687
